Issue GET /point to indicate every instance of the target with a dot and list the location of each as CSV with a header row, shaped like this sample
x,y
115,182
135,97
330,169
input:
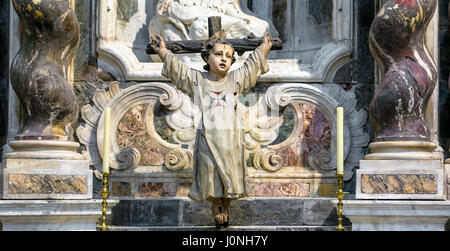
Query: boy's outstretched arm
x,y
159,46
266,44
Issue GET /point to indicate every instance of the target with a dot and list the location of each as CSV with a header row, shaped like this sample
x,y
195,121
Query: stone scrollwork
x,y
185,20
268,160
325,98
121,101
177,158
261,123
261,116
182,120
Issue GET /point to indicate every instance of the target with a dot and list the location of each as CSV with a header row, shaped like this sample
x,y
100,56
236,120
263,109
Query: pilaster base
x,y
400,179
46,169
51,215
47,179
373,215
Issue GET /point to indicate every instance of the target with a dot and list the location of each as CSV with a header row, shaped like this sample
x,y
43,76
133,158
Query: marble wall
x,y
354,72
309,41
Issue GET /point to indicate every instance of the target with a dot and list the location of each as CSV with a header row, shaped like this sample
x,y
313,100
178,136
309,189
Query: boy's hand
x,y
159,46
266,44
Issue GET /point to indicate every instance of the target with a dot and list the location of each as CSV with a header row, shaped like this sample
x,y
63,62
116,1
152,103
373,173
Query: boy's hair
x,y
206,51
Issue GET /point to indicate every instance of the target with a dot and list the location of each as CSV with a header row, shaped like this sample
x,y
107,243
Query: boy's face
x,y
220,59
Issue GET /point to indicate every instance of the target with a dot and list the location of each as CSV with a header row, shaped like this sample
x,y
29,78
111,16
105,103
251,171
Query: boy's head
x,y
218,55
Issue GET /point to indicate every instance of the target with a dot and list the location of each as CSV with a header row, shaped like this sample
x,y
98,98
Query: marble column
x,y
404,162
44,163
400,184
44,175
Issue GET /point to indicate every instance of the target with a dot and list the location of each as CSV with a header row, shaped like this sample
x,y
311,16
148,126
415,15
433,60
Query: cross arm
x,y
195,46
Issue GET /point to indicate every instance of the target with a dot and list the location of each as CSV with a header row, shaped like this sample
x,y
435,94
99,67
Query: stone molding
x,y
400,179
91,134
44,149
403,150
51,215
379,215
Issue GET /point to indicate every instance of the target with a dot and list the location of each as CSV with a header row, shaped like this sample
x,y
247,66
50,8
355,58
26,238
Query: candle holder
x,y
340,196
105,195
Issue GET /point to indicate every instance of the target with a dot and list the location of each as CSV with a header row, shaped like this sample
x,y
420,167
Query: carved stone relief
x,y
309,139
188,19
289,120
121,44
143,95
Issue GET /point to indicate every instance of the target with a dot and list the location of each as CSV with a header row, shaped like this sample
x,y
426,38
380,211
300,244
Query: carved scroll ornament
x,y
121,101
260,115
325,98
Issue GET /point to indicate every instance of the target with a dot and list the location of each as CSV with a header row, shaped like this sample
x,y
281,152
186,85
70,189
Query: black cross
x,y
214,25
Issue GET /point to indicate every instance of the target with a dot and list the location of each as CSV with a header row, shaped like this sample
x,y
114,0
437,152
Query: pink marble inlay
x,y
132,132
159,189
316,133
274,189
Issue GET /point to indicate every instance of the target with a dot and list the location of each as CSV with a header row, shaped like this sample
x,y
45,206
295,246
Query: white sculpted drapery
x,y
219,170
188,19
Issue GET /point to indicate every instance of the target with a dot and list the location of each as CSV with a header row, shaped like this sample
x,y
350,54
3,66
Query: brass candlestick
x,y
105,195
340,196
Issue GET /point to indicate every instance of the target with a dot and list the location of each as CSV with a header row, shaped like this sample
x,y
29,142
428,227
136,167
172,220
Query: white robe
x,y
219,170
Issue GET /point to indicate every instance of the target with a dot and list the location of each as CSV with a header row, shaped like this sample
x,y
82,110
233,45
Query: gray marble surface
x,y
173,213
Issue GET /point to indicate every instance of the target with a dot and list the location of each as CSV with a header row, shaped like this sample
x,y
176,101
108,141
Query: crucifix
x,y
214,26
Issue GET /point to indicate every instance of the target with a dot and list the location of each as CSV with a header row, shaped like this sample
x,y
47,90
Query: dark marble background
x,y
4,70
444,68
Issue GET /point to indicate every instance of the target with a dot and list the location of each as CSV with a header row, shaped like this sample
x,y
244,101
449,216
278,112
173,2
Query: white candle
x,y
340,140
106,139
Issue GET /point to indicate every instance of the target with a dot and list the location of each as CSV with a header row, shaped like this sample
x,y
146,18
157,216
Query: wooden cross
x,y
214,25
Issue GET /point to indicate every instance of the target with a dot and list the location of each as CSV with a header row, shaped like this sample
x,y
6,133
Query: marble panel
x,y
183,212
47,184
250,211
155,212
399,184
47,179
156,189
278,189
315,138
400,179
132,132
121,189
161,189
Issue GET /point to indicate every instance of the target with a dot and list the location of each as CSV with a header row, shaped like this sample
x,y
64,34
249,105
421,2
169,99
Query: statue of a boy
x,y
219,171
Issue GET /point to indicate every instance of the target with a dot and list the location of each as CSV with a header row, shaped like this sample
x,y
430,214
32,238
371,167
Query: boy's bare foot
x,y
220,212
221,220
